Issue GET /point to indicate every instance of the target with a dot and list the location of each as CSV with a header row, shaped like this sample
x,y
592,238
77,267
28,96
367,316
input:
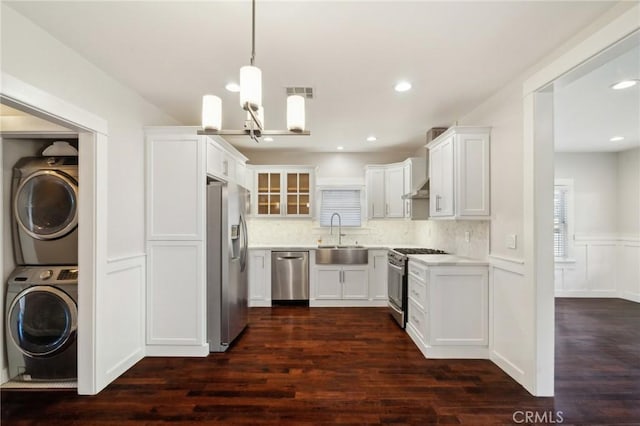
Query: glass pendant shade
x,y
295,113
211,112
250,87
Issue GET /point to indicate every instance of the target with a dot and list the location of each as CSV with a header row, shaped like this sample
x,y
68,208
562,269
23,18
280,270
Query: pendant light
x,y
251,102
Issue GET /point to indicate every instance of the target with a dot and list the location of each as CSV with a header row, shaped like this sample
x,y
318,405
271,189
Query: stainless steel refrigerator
x,y
227,281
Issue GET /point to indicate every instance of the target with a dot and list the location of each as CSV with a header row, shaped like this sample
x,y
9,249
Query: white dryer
x,y
45,211
41,323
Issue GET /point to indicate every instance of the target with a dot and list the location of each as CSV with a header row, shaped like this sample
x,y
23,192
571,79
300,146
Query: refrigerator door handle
x,y
245,243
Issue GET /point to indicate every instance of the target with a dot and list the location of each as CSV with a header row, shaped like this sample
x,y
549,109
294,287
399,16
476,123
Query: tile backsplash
x,y
447,235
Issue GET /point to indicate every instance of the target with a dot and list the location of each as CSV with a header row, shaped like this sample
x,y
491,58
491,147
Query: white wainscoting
x,y
123,324
628,274
601,266
508,316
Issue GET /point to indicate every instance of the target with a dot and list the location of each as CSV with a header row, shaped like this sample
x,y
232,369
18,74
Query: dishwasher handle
x,y
289,258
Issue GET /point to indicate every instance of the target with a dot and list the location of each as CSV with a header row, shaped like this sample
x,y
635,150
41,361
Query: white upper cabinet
x,y
394,190
175,187
375,192
283,191
385,187
225,162
459,174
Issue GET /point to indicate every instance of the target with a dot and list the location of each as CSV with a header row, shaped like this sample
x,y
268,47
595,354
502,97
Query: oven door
x,y
396,289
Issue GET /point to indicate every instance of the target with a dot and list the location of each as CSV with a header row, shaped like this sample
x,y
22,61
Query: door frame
x,y
92,208
538,169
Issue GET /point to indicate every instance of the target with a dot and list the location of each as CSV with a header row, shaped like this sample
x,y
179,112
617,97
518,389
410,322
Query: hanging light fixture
x,y
251,101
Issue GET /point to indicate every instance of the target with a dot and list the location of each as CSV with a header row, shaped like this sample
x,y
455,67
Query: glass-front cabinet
x,y
284,191
268,189
297,194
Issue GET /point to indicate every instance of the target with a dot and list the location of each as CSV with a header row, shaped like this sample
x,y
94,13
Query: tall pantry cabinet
x,y
178,161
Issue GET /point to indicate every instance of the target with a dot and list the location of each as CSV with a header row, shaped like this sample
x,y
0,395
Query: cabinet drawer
x,y
417,319
417,271
417,292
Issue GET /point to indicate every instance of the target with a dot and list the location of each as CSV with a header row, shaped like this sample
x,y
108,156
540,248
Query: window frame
x,y
568,186
319,203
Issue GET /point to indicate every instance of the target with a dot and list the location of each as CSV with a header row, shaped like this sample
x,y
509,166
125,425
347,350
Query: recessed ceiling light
x,y
624,84
340,148
268,139
402,86
372,139
232,87
617,138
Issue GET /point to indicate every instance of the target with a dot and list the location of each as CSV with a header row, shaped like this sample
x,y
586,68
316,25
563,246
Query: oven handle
x,y
398,268
392,306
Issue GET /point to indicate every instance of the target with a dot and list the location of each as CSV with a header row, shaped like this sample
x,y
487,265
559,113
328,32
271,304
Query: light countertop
x,y
446,260
315,246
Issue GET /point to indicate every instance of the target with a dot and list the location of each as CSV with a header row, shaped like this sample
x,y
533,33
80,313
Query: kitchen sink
x,y
342,255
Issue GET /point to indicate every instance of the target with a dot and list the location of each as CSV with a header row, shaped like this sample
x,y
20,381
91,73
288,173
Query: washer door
x,y
42,321
45,205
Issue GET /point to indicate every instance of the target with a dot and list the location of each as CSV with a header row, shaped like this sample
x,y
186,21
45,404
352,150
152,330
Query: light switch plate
x,y
467,236
512,241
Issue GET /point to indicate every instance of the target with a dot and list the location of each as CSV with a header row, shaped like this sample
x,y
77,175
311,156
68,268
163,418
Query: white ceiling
x,y
455,54
588,113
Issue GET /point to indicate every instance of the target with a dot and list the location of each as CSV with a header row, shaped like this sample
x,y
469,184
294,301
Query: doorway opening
x,y
539,184
32,119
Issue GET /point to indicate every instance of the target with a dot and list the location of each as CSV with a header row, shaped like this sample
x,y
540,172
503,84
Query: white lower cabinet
x,y
448,312
176,301
378,275
340,285
259,278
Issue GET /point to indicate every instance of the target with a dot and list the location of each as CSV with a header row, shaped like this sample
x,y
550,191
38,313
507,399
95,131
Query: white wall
x,y
628,252
514,343
629,192
591,268
595,190
37,59
605,253
338,165
33,56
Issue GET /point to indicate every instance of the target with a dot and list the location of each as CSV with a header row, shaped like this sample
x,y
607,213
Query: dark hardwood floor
x,y
337,366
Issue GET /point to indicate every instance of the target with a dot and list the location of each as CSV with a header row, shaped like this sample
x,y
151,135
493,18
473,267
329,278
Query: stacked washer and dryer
x,y
42,293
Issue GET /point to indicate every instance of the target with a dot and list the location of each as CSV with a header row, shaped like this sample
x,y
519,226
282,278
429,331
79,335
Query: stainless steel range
x,y
398,280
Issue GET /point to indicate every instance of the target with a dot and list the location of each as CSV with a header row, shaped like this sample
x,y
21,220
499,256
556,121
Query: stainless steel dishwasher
x,y
290,277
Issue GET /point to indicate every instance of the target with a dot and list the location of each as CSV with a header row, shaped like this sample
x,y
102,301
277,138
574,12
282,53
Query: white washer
x,y
41,323
45,211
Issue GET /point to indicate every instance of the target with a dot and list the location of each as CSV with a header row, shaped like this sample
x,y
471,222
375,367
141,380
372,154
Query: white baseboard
x,y
508,367
167,350
586,293
259,303
633,297
448,352
347,303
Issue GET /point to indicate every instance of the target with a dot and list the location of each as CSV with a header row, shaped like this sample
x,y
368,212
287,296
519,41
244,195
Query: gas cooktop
x,y
419,251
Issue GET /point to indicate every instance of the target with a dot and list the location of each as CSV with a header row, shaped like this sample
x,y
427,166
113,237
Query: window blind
x,y
560,228
345,202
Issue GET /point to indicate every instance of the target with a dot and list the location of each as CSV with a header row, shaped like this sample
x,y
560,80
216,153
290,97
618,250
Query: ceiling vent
x,y
306,92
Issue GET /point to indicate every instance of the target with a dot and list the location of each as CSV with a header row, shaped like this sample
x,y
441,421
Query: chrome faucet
x,y
340,234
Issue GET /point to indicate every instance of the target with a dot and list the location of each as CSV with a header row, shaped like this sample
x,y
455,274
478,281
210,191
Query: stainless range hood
x,y
419,194
421,190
